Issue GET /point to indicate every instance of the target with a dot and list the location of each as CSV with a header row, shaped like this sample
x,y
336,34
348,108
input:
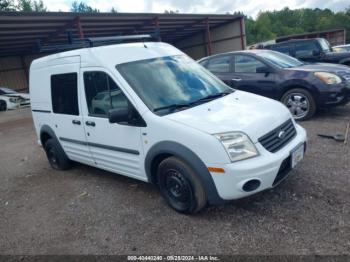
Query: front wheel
x,y
56,156
300,103
3,105
180,186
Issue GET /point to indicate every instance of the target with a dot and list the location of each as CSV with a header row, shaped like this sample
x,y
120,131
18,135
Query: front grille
x,y
279,137
344,74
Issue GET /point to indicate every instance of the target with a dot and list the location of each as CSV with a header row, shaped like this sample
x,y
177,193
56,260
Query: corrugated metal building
x,y
334,36
22,35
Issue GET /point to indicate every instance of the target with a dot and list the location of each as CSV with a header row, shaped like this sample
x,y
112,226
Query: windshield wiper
x,y
171,107
212,97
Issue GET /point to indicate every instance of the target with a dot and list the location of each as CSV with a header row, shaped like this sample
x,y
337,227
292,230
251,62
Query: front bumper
x,y
339,95
265,168
11,105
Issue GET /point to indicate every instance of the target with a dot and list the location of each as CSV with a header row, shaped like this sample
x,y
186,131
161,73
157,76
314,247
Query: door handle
x,y
90,123
76,122
236,79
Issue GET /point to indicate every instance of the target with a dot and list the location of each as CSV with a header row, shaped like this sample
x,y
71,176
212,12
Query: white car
x,y
10,99
341,48
8,103
173,123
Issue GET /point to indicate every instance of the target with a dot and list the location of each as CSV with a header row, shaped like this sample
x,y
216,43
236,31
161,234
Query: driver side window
x,y
102,94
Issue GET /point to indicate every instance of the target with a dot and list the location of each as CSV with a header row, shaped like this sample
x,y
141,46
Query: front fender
x,y
345,61
187,155
298,83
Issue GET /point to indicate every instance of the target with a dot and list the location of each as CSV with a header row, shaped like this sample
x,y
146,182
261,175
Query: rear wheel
x,y
300,103
3,105
180,186
56,156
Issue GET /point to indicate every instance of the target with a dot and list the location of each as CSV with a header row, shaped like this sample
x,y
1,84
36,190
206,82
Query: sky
x,y
249,7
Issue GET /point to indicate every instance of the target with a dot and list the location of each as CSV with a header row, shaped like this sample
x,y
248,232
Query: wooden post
x,y
209,46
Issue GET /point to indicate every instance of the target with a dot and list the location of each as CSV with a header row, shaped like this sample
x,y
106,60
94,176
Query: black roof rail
x,y
96,41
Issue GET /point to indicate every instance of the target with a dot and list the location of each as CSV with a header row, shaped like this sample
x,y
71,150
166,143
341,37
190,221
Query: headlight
x,y
328,78
238,145
13,99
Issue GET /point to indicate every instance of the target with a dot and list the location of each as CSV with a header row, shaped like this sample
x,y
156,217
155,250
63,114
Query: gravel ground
x,y
89,211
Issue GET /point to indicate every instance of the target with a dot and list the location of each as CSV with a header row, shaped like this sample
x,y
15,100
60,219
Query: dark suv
x,y
302,87
311,50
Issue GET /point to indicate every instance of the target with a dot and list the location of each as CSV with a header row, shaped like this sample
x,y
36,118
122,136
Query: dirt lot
x,y
89,211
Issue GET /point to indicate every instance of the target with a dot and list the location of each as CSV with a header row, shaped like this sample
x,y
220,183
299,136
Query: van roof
x,y
109,55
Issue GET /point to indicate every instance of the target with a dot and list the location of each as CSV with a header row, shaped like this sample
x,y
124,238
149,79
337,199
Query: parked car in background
x,y
148,111
10,92
302,87
11,99
7,103
341,48
311,50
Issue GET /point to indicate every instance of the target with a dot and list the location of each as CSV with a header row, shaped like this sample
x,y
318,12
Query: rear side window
x,y
246,64
102,94
284,49
64,94
219,64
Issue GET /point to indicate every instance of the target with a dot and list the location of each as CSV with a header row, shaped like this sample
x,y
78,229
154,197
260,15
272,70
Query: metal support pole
x,y
25,69
209,46
157,28
241,30
79,27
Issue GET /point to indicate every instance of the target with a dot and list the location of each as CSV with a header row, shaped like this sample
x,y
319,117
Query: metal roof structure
x,y
23,32
334,36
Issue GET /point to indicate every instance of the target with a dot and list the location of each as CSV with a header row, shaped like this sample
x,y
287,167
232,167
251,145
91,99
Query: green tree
x,y
7,5
81,7
39,6
271,24
30,6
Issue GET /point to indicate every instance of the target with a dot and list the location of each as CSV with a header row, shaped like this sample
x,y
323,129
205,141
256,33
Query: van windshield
x,y
172,83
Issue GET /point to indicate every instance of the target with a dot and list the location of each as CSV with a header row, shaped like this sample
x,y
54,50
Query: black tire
x,y
3,105
56,156
300,103
180,186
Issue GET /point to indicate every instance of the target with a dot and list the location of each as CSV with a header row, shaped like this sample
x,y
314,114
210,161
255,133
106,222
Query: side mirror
x,y
263,70
118,115
316,53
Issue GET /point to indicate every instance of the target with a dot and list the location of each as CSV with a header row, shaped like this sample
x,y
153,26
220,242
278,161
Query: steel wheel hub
x,y
177,187
298,104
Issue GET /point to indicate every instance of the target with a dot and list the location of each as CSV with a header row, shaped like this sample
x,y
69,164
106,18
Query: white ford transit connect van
x,y
148,111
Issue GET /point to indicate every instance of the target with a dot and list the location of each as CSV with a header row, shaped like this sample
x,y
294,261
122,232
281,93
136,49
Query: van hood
x,y
240,111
